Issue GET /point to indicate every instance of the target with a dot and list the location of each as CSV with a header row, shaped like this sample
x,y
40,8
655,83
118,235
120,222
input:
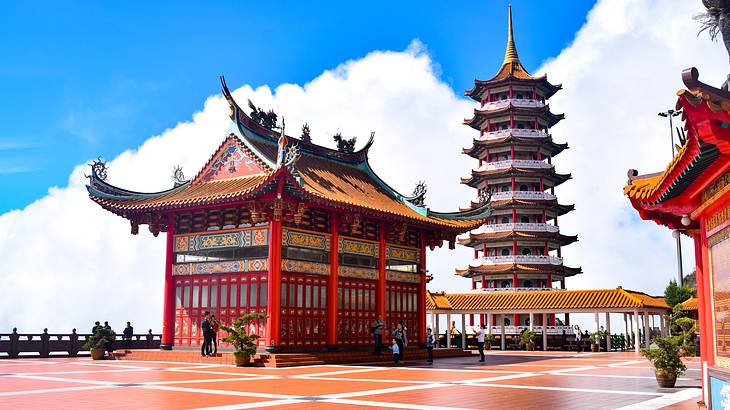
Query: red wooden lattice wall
x,y
303,310
356,311
227,296
401,304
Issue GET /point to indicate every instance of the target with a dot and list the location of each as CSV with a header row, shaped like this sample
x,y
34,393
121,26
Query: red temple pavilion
x,y
692,196
519,247
308,235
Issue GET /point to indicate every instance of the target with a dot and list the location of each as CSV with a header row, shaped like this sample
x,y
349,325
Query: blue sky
x,y
83,80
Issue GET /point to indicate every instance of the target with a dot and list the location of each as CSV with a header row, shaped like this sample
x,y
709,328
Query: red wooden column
x,y
382,276
705,298
332,301
422,295
273,323
168,310
700,276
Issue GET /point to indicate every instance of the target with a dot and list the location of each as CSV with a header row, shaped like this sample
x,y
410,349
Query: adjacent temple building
x,y
308,235
519,248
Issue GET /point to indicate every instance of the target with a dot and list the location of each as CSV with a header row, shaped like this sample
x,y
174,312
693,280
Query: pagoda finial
x,y
510,55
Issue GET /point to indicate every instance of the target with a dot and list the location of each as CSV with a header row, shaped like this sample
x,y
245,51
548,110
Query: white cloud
x,y
66,262
622,69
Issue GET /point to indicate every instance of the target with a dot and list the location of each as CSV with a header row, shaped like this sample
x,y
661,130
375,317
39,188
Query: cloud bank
x,y
66,262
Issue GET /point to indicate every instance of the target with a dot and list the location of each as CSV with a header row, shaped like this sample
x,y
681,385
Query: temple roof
x,y
558,300
475,237
518,268
320,174
543,112
481,144
513,171
705,151
511,70
689,304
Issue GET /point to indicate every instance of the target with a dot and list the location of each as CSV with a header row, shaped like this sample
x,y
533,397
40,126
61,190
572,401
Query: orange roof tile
x,y
690,304
193,194
550,300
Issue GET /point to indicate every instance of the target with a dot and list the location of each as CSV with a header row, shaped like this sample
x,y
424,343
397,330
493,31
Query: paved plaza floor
x,y
507,380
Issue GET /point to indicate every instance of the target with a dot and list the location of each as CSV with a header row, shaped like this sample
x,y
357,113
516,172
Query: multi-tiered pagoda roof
x,y
515,151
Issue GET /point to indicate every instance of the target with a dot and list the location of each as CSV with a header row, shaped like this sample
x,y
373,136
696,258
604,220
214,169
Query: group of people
x,y
126,334
399,339
209,327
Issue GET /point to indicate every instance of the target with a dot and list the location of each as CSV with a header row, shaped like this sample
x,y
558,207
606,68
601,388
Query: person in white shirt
x,y
480,341
578,336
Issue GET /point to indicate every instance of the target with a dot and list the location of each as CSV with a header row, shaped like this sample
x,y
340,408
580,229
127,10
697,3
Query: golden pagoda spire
x,y
510,55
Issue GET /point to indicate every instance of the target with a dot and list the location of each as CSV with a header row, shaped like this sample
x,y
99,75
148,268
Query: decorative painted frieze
x,y
357,247
291,265
360,273
205,268
403,254
233,239
305,240
395,276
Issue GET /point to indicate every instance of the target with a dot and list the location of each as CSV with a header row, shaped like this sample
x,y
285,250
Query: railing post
x,y
14,343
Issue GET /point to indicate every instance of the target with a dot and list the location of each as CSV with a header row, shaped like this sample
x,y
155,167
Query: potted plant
x,y
99,342
595,340
687,334
528,339
489,338
666,359
243,342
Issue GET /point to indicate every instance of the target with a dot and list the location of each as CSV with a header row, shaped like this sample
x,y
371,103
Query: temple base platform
x,y
284,359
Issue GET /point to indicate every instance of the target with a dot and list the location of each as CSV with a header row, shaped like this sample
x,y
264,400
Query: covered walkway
x,y
642,313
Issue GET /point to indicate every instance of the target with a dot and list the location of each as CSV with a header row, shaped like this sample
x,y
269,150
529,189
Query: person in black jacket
x,y
96,327
127,335
207,333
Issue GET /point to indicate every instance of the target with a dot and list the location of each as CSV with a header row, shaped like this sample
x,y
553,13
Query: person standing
x,y
106,326
578,336
205,329
96,327
396,351
127,335
377,331
214,327
480,341
401,339
430,339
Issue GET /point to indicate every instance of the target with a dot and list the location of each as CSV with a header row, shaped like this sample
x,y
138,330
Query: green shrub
x,y
238,335
666,357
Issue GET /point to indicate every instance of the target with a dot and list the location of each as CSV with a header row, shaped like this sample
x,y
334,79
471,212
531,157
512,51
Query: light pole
x,y
676,234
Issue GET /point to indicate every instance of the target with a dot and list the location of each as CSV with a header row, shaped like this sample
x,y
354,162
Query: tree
x,y
674,295
691,279
716,21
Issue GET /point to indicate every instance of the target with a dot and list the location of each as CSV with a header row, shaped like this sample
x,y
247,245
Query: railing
x,y
517,163
520,226
517,102
46,344
517,132
515,330
511,289
523,259
526,195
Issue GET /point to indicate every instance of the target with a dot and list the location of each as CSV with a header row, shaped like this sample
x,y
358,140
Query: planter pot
x,y
665,379
242,358
595,347
530,346
97,353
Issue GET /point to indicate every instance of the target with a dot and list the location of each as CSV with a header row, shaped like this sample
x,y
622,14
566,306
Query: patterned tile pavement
x,y
507,380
